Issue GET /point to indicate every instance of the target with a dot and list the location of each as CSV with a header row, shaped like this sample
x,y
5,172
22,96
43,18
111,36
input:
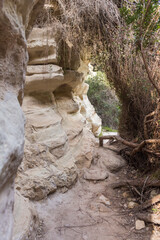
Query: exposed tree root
x,y
79,226
148,217
136,183
135,146
117,138
147,121
150,202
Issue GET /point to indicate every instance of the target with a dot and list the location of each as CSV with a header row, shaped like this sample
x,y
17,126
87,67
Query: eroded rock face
x,y
60,121
15,17
26,219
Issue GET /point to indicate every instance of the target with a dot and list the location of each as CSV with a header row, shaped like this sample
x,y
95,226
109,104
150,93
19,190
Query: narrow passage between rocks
x,y
92,210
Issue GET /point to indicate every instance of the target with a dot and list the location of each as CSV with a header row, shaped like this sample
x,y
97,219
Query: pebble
x,y
139,224
131,199
132,205
125,205
104,200
125,194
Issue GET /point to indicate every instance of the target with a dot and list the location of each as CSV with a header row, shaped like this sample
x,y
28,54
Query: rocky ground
x,y
91,209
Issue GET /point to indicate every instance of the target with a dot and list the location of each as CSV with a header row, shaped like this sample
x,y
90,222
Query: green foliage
x,y
144,16
104,100
101,134
155,210
139,41
108,129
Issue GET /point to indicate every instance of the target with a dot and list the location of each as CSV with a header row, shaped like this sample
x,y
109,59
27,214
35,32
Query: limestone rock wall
x,y
60,121
15,20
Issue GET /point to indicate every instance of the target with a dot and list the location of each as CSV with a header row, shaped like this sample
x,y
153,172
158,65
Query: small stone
x,y
132,205
125,205
125,194
140,224
104,200
131,199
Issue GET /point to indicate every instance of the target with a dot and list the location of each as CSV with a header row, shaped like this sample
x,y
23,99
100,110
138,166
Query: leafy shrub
x,y
104,100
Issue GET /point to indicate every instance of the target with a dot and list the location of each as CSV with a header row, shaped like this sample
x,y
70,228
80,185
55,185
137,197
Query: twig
x,y
143,188
79,226
135,189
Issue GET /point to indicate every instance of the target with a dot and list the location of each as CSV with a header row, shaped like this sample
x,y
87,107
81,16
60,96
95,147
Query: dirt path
x,y
91,210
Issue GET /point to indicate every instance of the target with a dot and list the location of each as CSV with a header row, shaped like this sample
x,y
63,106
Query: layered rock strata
x,y
60,121
16,17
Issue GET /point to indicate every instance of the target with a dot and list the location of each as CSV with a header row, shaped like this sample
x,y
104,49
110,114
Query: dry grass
x,y
82,23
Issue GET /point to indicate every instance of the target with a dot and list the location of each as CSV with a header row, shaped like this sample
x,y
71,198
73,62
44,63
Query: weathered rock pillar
x,y
15,17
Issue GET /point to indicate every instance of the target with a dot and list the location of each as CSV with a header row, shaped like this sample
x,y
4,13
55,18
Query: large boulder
x,y
16,17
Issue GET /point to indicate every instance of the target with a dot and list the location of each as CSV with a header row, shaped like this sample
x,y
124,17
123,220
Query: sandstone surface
x,y
112,162
60,121
16,18
26,219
